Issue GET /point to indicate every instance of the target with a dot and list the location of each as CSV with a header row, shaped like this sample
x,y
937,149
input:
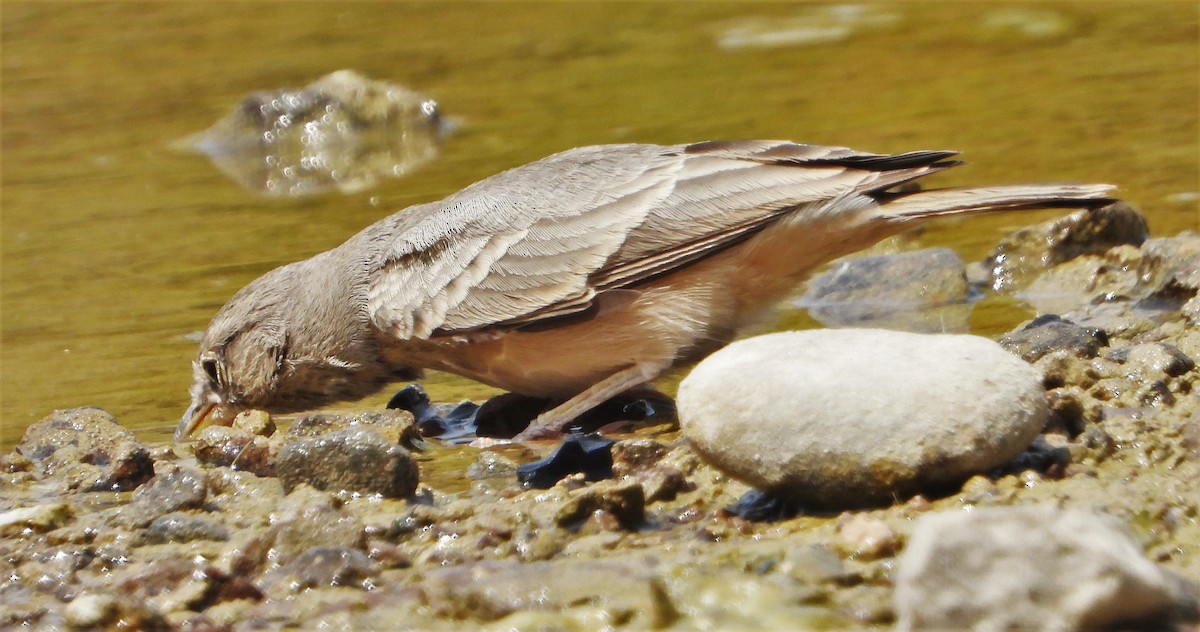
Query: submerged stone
x,y
924,291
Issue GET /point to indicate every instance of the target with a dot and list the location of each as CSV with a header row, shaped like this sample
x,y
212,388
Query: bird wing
x,y
543,240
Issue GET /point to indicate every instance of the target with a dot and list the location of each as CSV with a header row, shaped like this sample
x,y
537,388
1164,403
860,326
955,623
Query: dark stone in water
x,y
1049,333
1040,456
760,506
455,424
590,454
505,415
923,291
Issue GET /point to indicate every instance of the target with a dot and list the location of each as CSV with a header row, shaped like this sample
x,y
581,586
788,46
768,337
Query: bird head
x,y
243,355
286,342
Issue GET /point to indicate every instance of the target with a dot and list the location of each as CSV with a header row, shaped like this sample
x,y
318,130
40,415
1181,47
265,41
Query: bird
x,y
574,278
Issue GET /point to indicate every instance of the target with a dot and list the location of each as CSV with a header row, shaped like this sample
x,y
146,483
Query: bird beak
x,y
195,417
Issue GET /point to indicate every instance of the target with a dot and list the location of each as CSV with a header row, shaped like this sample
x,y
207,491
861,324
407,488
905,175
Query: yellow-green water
x,y
114,247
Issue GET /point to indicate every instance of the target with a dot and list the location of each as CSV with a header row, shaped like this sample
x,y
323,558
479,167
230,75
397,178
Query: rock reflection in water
x,y
342,131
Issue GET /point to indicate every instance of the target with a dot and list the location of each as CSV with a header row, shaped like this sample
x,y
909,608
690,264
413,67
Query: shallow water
x,y
115,247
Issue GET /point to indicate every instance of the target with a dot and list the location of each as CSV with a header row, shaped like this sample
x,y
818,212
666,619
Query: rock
x,y
838,418
1023,255
342,131
235,448
354,459
1046,334
862,537
38,518
923,291
175,487
1033,567
491,589
255,422
1152,361
396,426
89,610
1114,275
181,527
625,500
88,450
589,454
326,566
308,519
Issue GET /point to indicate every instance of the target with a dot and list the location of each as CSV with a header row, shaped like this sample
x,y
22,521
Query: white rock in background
x,y
1036,568
850,417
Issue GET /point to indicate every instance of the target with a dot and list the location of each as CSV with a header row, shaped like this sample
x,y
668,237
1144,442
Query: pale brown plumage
x,y
575,277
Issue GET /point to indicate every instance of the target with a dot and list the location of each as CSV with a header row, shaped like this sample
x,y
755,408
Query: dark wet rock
x,y
1035,567
175,487
634,455
353,459
843,418
590,454
396,426
642,460
908,291
1049,333
86,449
447,422
1069,412
624,500
326,566
182,527
14,462
757,505
1025,254
342,131
1050,456
235,448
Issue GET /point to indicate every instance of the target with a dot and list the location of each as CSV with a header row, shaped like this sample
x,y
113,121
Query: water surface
x,y
115,247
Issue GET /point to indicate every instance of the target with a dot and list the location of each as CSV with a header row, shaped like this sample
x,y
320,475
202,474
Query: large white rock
x,y
1033,568
859,416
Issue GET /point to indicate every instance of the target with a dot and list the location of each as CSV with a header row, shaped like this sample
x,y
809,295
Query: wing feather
x,y
540,241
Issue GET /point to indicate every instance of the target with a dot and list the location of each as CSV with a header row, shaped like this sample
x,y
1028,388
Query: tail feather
x,y
939,202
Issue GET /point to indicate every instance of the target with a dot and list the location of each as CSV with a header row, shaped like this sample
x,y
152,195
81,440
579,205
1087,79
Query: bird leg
x,y
550,424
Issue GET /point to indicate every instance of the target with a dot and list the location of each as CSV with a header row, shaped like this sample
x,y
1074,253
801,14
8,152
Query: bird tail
x,y
906,206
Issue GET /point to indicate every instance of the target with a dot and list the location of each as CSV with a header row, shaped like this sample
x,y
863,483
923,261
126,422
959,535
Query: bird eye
x,y
210,368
